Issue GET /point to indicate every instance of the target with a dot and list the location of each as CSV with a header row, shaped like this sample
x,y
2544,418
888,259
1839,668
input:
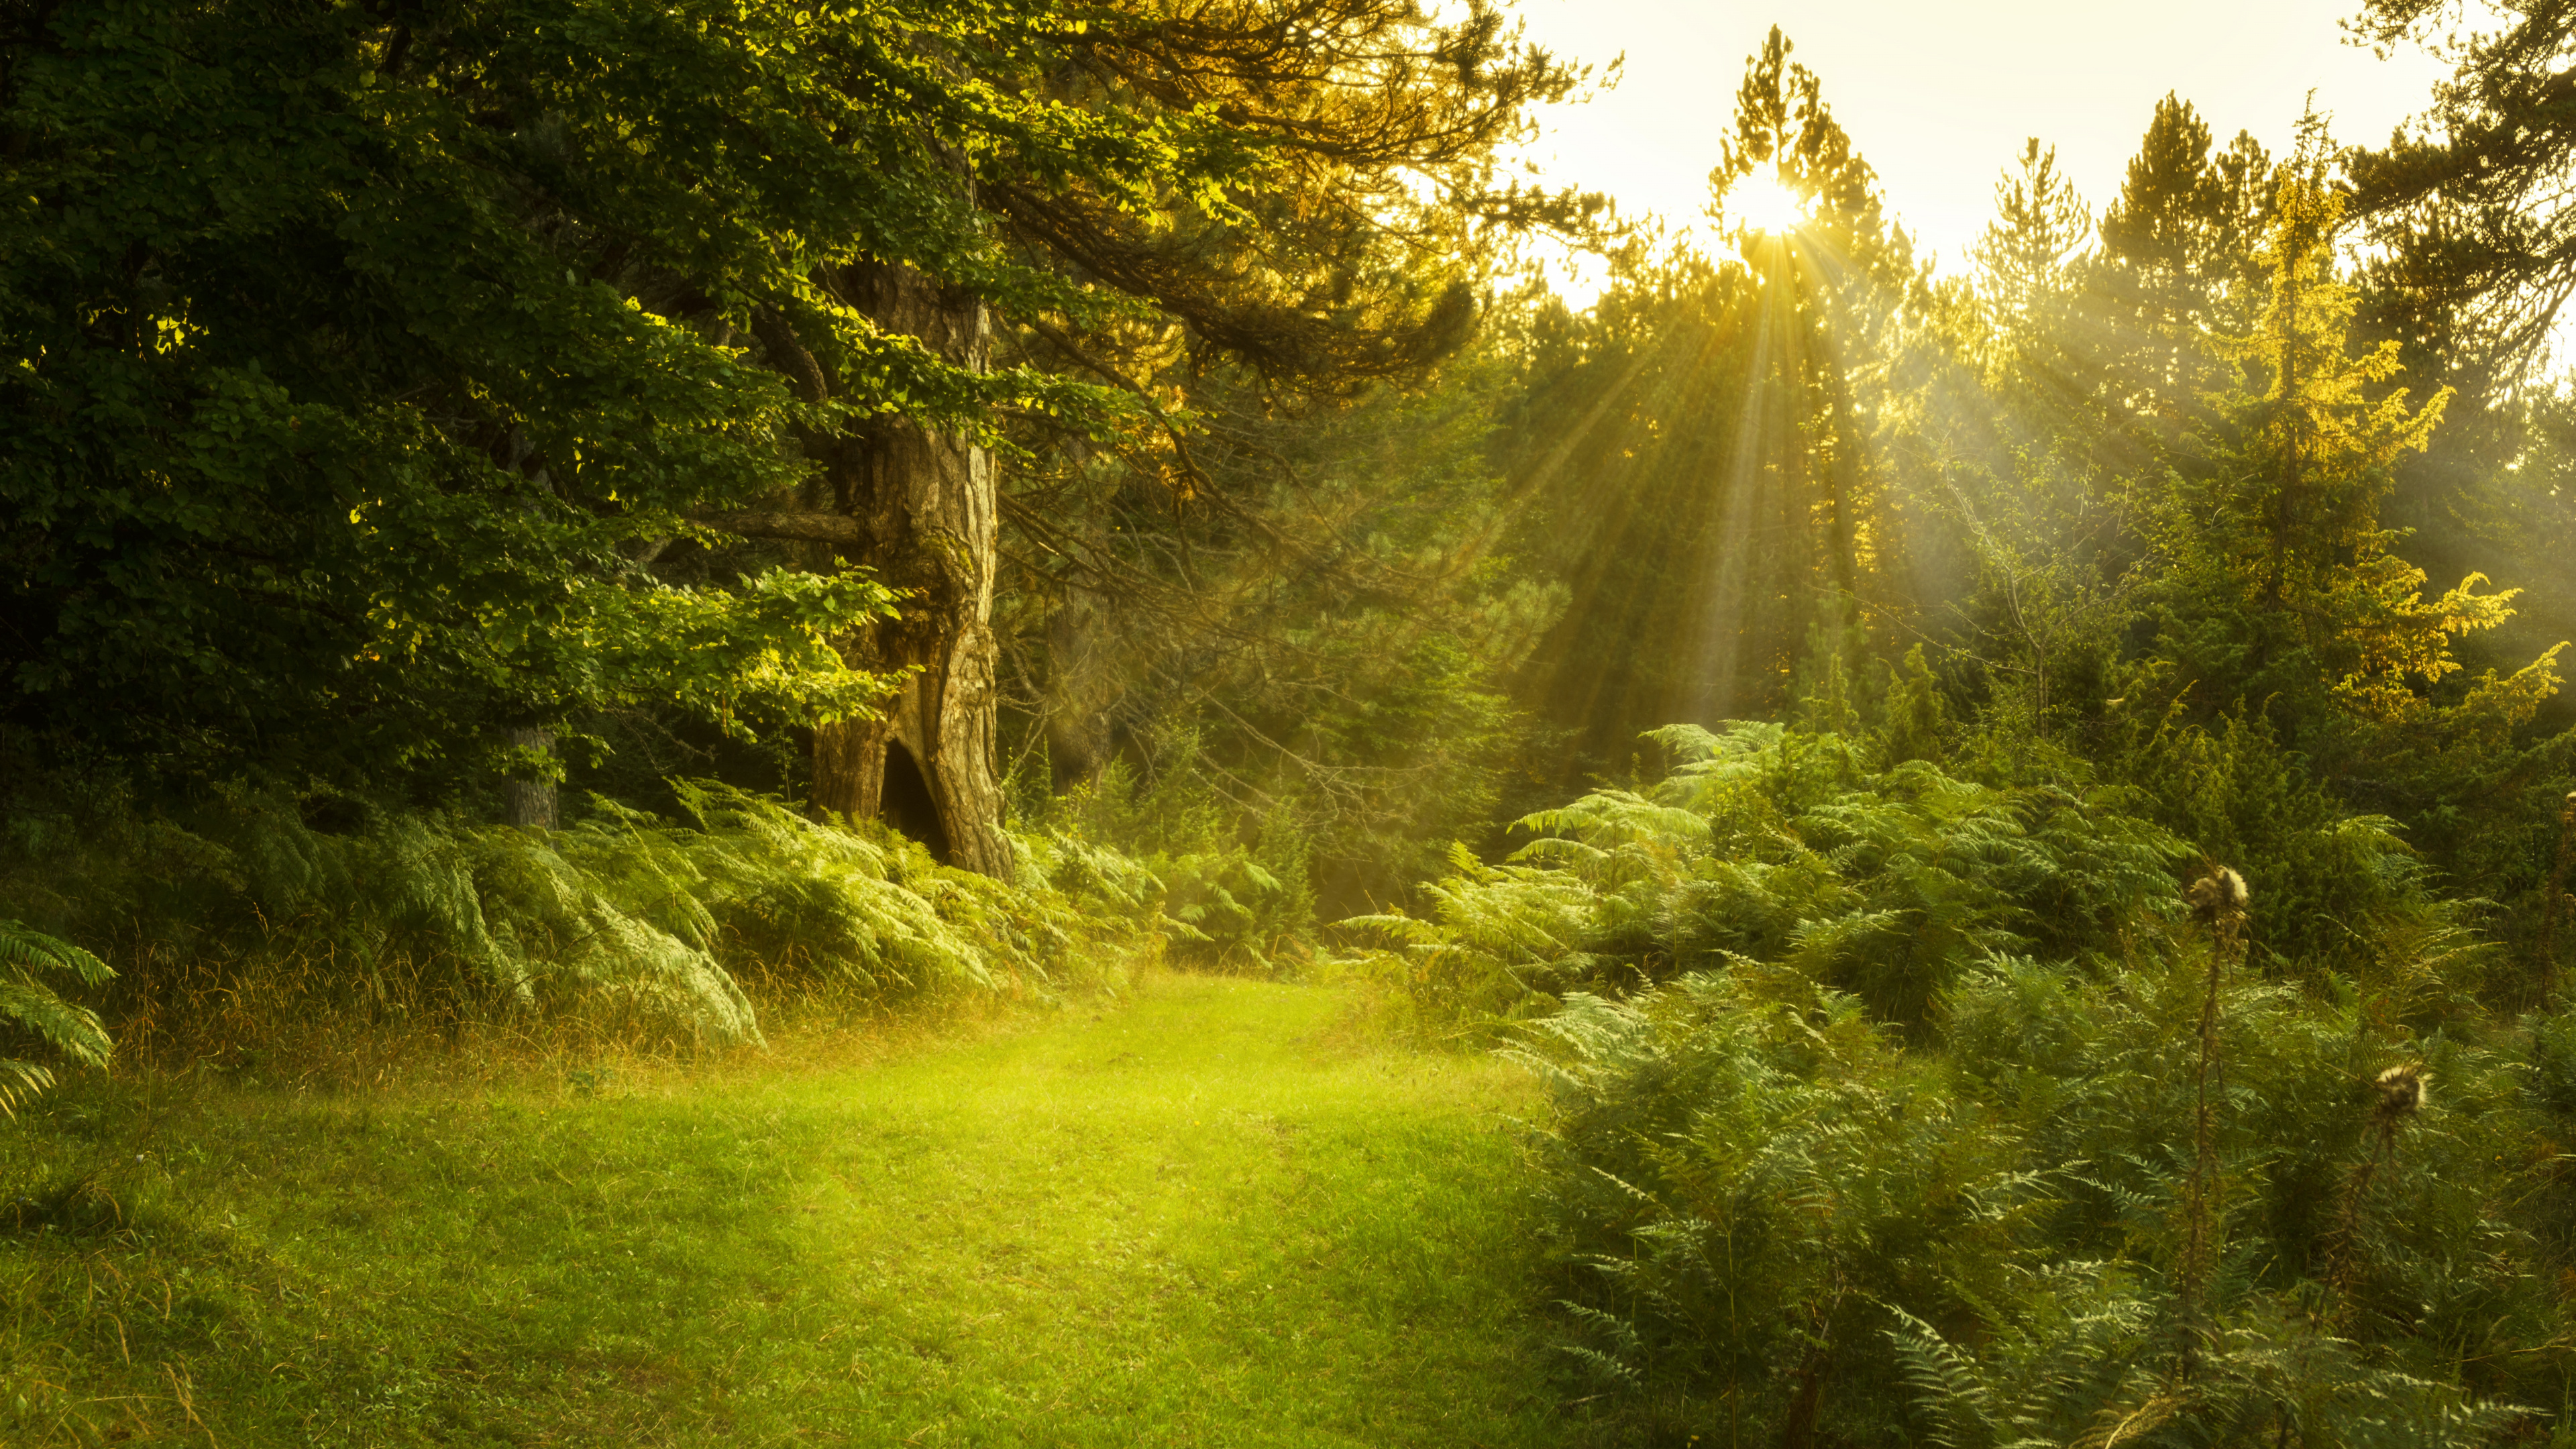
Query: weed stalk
x,y
2219,899
2397,1095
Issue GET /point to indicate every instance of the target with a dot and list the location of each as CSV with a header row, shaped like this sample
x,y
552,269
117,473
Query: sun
x,y
1760,203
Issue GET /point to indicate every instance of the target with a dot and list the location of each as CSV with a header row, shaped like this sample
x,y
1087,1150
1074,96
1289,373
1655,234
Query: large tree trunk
x,y
529,800
924,504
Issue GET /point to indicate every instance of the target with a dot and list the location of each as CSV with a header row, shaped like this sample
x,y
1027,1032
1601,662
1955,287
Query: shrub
x,y
1874,1113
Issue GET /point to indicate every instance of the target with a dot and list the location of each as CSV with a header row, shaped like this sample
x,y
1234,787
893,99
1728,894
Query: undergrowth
x,y
1890,1104
250,935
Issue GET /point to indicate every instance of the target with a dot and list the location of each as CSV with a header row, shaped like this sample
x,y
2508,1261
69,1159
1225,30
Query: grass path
x,y
1206,1217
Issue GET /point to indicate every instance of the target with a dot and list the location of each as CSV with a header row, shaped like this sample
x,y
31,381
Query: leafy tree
x,y
361,356
1314,646
350,369
1223,181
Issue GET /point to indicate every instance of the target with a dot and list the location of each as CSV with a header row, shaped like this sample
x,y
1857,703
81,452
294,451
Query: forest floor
x,y
1215,1213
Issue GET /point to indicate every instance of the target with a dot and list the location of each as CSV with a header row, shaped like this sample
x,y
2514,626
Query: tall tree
x,y
518,291
347,376
2475,259
2470,202
2176,263
1287,232
1700,448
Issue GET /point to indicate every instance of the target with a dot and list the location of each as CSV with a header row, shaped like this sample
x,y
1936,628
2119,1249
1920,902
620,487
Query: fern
x,y
1769,846
30,1007
1879,1085
624,915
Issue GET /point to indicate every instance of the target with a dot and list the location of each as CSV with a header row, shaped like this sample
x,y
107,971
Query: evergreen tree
x,y
2469,200
347,419
1699,450
2176,263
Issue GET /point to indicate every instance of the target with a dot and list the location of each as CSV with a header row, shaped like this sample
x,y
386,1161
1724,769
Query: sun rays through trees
x,y
2016,810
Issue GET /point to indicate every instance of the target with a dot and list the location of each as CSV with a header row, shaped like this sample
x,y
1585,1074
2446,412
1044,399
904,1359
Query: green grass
x,y
1214,1215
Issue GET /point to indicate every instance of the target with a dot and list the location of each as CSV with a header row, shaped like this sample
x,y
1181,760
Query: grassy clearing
x,y
1218,1214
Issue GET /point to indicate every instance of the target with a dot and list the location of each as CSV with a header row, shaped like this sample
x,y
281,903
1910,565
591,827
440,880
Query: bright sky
x,y
1939,94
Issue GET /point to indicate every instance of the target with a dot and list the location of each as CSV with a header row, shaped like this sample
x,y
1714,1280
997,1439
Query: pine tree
x,y
2468,203
2176,261
2295,597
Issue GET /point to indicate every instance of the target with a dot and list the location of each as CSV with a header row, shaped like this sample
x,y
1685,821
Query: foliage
x,y
1769,845
1873,1087
1322,636
31,1008
1693,451
623,917
357,357
1775,1193
1226,905
343,378
2467,200
1779,1168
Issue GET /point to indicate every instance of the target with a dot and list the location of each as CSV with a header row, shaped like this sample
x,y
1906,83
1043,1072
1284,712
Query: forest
x,y
899,722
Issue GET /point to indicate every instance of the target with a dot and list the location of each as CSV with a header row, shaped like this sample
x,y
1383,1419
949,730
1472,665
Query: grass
x,y
1216,1214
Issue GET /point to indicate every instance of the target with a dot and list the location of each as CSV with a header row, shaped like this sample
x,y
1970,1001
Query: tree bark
x,y
924,508
529,801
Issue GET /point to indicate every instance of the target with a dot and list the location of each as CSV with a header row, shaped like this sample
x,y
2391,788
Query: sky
x,y
1939,95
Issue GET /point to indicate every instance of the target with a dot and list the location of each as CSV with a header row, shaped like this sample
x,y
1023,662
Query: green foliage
x,y
1849,1053
1694,451
1773,1190
1754,1171
31,1008
1225,903
354,356
343,376
1321,636
621,917
1768,845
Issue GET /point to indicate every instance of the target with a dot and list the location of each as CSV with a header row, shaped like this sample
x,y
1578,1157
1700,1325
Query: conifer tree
x,y
2176,262
2288,558
2470,200
2025,255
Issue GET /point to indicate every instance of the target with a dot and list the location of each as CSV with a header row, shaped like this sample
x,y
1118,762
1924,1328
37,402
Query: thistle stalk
x,y
2219,899
2397,1095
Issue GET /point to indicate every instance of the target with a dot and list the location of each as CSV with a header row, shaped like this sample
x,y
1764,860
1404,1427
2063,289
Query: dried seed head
x,y
2401,1091
2220,896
